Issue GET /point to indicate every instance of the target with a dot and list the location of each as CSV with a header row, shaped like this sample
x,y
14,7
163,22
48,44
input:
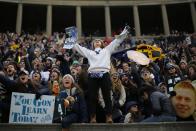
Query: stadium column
x,y
136,21
107,21
165,20
193,13
49,20
79,20
19,18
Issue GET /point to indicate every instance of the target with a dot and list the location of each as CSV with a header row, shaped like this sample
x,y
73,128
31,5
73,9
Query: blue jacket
x,y
161,104
78,107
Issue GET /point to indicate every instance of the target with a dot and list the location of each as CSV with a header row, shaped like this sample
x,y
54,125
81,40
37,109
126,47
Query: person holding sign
x,y
98,72
23,85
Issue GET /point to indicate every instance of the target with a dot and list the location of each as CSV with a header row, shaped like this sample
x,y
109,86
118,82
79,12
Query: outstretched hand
x,y
124,33
37,95
126,30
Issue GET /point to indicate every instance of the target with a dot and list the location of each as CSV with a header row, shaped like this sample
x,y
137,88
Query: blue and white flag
x,y
71,37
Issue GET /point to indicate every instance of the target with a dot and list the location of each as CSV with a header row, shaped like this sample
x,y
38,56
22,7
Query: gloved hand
x,y
126,29
37,95
124,33
128,118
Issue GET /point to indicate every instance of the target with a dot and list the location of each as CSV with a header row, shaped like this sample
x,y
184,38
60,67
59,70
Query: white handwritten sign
x,y
26,109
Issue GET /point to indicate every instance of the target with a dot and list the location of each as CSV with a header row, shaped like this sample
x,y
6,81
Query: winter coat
x,y
78,107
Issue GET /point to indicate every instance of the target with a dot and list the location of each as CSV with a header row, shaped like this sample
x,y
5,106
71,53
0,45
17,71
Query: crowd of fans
x,y
39,64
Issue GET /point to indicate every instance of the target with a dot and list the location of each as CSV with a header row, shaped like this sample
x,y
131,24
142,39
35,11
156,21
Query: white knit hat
x,y
70,76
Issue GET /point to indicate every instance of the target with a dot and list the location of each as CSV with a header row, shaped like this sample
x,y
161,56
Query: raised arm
x,y
82,50
8,84
116,42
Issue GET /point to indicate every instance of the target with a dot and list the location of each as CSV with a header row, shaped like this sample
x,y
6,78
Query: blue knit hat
x,y
130,104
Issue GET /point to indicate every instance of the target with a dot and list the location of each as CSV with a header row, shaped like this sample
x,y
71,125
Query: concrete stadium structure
x,y
163,126
106,4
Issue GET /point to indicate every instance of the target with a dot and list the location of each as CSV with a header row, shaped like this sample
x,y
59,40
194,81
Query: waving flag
x,y
138,57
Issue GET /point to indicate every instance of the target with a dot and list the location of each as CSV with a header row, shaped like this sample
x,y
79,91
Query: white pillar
x,y
79,21
19,18
49,20
136,21
193,13
165,20
107,21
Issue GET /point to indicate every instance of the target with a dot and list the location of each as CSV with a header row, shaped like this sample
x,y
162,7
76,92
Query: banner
x,y
26,109
71,37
